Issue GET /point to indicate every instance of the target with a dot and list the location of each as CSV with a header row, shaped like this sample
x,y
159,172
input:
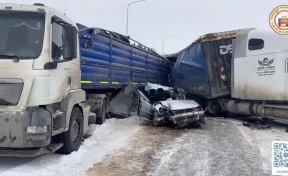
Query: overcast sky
x,y
151,20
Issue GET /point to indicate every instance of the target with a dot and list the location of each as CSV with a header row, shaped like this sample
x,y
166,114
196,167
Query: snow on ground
x,y
106,138
262,139
222,147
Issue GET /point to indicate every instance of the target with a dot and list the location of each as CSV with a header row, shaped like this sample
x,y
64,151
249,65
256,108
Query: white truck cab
x,y
259,80
260,66
42,105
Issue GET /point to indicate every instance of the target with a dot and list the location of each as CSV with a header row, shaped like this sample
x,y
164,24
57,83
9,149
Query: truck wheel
x,y
72,138
101,112
214,107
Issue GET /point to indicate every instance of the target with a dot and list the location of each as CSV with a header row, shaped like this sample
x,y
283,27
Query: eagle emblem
x,y
266,62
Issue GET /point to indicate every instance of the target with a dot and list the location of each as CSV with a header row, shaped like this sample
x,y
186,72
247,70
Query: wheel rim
x,y
75,130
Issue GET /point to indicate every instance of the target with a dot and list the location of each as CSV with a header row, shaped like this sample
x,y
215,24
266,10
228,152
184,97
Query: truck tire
x,y
214,108
72,138
101,112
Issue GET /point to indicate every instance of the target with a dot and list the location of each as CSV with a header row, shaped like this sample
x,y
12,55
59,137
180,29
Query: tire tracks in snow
x,y
135,159
218,149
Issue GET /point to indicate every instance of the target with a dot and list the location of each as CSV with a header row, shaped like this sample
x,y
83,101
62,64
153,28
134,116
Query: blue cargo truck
x,y
109,61
57,77
203,70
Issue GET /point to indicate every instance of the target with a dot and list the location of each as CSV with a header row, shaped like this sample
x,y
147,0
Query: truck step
x,y
57,114
54,147
91,118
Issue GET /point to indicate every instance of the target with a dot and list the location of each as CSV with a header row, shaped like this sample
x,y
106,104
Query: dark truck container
x,y
203,69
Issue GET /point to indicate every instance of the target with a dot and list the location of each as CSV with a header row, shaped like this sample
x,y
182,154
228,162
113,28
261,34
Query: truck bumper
x,y
29,152
24,130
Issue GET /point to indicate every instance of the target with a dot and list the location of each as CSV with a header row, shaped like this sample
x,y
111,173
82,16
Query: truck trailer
x,y
203,69
57,77
240,72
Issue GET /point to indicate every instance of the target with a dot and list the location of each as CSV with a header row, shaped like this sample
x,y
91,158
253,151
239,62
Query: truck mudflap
x,y
125,101
180,112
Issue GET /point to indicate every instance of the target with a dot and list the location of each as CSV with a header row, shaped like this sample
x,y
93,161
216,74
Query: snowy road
x,y
222,148
219,150
105,139
129,147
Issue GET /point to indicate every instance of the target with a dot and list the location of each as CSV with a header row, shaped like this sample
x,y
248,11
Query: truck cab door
x,y
60,77
62,72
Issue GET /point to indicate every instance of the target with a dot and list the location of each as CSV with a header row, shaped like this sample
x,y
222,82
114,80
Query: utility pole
x,y
128,13
163,42
66,1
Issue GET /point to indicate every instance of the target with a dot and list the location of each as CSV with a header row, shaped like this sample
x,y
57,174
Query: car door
x,y
146,109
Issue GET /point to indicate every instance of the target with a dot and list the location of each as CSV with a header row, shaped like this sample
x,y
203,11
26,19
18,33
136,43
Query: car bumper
x,y
188,118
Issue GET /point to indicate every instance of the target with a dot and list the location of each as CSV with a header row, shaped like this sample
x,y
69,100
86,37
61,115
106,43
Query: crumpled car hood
x,y
177,104
150,86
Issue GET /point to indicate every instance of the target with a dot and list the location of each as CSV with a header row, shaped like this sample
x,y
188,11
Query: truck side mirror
x,y
69,42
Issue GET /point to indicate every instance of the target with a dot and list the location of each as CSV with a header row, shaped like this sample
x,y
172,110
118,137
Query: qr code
x,y
280,154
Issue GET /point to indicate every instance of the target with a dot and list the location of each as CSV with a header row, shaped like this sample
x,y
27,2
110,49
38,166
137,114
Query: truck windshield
x,y
21,34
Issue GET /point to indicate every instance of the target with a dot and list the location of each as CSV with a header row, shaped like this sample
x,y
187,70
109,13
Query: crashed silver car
x,y
180,112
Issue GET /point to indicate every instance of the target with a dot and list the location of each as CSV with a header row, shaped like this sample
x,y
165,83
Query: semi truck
x,y
203,69
241,72
57,77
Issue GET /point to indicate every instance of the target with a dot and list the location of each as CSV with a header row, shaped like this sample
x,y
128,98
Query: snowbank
x,y
106,138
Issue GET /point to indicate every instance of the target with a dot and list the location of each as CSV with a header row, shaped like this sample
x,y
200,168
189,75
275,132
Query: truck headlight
x,y
37,129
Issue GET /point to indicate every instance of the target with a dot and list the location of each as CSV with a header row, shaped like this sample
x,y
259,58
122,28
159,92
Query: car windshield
x,y
21,34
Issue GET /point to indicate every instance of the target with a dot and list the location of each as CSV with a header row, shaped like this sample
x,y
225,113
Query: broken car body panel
x,y
146,109
122,104
150,86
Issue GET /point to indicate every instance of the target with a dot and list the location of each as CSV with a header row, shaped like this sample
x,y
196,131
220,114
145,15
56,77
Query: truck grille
x,y
10,91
